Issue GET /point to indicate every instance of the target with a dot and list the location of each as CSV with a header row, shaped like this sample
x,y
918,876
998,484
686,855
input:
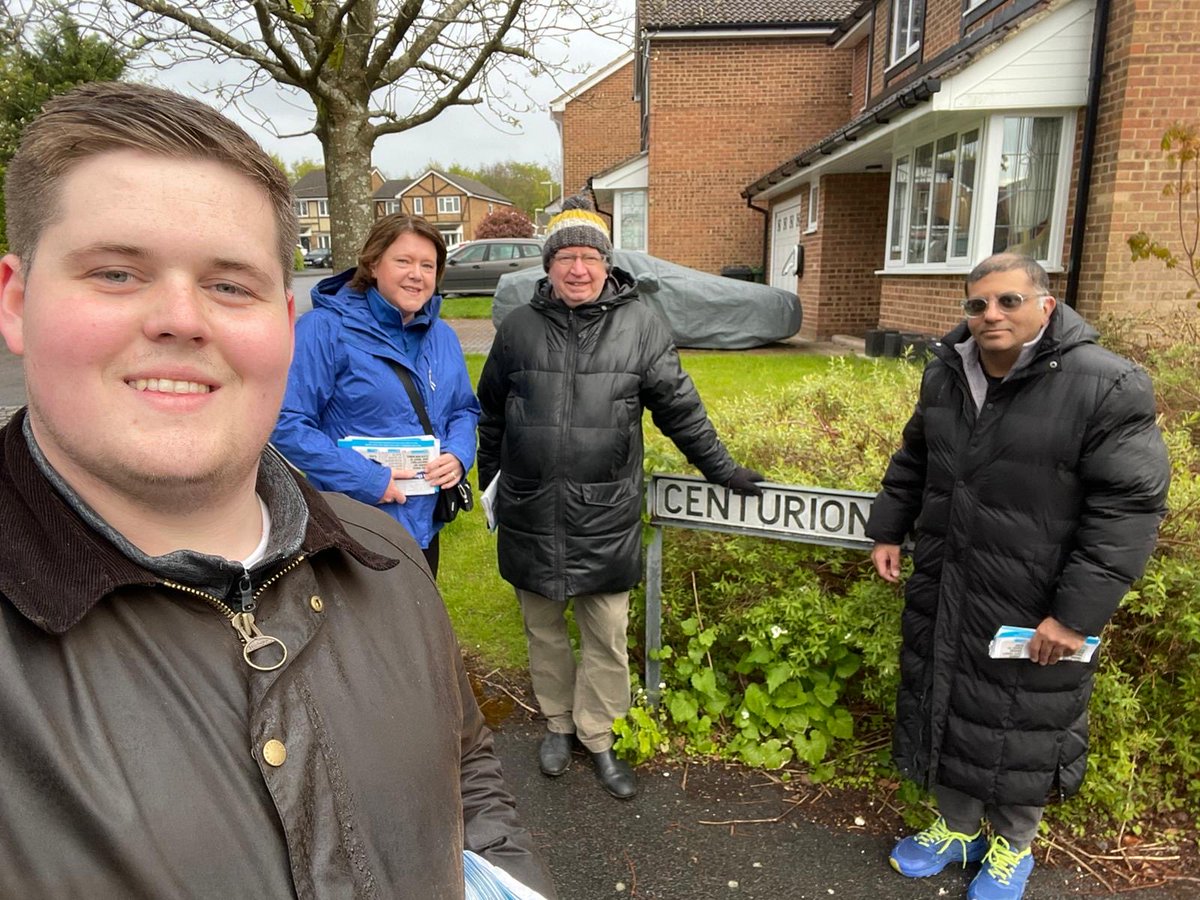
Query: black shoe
x,y
554,754
616,776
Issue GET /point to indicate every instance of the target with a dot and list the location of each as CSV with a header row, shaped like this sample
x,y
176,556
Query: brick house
x,y
453,203
312,207
963,127
972,129
712,96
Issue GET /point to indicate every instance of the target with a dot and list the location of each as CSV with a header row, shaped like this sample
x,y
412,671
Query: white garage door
x,y
785,236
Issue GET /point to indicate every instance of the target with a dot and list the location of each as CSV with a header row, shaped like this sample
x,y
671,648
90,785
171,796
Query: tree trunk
x,y
346,138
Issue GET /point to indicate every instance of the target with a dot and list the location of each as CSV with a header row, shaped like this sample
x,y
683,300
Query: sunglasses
x,y
1010,301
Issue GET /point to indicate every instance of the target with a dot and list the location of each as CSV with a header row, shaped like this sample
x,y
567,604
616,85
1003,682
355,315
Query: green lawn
x,y
482,605
466,307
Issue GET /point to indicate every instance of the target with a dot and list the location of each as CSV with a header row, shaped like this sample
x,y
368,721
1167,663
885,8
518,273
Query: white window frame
x,y
449,205
619,216
418,204
814,201
452,236
302,209
982,225
972,5
391,207
908,9
323,242
322,207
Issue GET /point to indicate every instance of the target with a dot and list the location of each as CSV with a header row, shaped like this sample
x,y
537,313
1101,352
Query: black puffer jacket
x,y
562,396
1045,502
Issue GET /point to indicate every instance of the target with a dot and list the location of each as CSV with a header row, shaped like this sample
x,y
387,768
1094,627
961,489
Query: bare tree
x,y
368,67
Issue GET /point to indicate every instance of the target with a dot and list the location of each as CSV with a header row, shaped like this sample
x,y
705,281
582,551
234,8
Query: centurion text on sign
x,y
783,512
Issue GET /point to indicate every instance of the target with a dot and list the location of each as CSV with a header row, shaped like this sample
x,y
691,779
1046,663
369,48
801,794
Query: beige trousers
x,y
584,699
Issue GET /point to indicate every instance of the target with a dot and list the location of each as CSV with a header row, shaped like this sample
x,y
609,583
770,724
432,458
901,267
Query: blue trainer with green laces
x,y
1004,873
928,852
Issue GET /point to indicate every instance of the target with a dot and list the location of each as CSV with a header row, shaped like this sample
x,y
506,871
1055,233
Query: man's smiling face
x,y
154,324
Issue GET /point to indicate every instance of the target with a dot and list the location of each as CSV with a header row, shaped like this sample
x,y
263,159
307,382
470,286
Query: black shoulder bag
x,y
450,501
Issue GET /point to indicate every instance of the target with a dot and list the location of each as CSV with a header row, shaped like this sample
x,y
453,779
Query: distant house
x,y
387,197
312,207
453,203
867,153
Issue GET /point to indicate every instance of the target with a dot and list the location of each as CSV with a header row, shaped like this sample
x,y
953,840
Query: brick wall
x,y
722,113
929,304
600,128
839,292
943,26
858,77
1151,75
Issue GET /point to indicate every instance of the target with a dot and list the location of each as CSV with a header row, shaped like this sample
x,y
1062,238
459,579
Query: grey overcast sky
x,y
468,135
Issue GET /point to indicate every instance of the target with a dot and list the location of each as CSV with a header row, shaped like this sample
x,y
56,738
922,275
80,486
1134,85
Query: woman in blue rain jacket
x,y
342,382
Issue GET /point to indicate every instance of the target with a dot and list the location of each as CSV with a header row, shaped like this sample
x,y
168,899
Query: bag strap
x,y
414,395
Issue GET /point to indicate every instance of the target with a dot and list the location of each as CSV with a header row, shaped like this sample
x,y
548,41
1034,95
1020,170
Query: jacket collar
x,y
56,566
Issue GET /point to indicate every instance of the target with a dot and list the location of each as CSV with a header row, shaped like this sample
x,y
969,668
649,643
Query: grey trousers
x,y
1016,824
584,699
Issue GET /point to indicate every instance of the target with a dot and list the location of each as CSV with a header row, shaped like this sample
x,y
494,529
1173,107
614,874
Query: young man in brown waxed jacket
x,y
214,681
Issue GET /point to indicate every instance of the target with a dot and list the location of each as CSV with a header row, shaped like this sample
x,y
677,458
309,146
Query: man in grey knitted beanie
x,y
562,393
577,225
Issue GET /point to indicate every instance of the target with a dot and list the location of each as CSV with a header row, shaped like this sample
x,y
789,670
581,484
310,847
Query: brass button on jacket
x,y
274,752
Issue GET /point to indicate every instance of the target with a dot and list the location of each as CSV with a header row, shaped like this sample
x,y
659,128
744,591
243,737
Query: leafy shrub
x,y
504,222
783,654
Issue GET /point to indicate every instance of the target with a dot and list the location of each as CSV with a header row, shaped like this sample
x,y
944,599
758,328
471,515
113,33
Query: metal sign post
x,y
784,512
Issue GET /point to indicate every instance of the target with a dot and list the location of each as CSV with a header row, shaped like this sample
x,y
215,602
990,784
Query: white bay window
x,y
995,185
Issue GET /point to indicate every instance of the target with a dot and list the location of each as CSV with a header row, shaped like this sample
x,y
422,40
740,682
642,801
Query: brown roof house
x,y
892,144
312,207
453,203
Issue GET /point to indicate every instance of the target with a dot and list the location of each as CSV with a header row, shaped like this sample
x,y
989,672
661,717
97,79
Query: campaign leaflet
x,y
1012,642
414,452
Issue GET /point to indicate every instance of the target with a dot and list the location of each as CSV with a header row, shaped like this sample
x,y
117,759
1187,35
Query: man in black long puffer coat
x,y
1035,477
562,395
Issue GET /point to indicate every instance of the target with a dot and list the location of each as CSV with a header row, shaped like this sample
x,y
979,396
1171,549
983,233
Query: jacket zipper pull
x,y
254,640
245,591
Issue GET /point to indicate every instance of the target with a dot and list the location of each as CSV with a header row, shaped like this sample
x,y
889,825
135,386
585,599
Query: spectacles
x,y
1009,301
566,260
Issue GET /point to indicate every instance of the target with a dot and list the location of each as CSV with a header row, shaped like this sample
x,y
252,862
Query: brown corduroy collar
x,y
55,567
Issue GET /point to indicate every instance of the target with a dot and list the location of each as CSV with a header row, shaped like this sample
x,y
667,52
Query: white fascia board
x,y
811,172
1042,66
559,103
735,33
861,29
630,176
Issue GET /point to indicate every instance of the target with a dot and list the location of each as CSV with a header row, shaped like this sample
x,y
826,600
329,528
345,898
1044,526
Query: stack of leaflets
x,y
414,452
1012,642
488,499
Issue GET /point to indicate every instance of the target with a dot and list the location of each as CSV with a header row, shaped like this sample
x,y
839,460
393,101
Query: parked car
x,y
475,267
318,258
703,311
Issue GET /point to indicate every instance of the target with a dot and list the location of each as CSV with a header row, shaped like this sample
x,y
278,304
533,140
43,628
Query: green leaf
x,y
705,682
777,674
826,695
682,706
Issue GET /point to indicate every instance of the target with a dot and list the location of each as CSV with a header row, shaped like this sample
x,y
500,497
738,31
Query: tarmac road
x,y
657,847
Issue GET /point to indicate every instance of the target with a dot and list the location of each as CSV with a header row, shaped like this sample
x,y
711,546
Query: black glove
x,y
742,481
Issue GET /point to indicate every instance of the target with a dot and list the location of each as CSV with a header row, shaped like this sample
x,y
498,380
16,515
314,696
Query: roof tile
x,y
659,14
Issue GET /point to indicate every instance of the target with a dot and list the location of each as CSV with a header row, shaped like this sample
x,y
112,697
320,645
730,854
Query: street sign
x,y
783,512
